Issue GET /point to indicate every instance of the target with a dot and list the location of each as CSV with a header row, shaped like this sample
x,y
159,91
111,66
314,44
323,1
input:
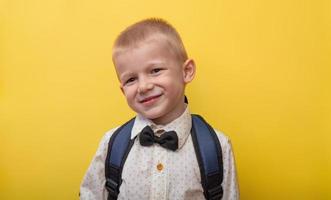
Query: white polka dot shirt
x,y
156,173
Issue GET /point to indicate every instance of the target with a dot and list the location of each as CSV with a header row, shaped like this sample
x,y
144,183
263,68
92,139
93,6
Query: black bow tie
x,y
168,140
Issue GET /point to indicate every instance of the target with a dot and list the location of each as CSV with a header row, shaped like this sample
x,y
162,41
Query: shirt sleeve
x,y
93,184
229,184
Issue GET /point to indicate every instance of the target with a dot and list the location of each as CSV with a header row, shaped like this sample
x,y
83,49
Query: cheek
x,y
176,81
129,93
173,78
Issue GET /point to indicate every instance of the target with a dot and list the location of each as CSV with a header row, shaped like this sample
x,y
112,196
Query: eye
x,y
130,80
156,70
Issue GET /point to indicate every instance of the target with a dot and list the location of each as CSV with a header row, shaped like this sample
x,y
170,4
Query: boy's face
x,y
153,80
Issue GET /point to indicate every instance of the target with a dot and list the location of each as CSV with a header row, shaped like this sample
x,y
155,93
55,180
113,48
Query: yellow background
x,y
263,77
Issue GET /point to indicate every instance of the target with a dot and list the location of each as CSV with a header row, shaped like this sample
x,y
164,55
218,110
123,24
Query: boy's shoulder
x,y
224,140
222,137
103,144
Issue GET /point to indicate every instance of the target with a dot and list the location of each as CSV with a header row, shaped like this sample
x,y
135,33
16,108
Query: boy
x,y
153,69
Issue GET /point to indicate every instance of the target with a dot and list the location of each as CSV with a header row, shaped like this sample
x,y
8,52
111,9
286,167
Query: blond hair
x,y
149,28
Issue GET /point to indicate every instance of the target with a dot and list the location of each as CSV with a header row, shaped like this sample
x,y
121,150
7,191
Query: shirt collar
x,y
182,125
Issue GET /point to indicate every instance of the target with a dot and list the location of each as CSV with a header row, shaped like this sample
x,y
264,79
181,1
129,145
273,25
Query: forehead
x,y
144,52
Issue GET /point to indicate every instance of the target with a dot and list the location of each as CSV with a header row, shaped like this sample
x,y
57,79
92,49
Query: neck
x,y
166,119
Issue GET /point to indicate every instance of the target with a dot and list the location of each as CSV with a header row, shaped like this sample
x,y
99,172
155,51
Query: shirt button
x,y
159,167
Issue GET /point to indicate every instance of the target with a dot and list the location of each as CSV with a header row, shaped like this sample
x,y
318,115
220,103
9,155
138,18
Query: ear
x,y
188,70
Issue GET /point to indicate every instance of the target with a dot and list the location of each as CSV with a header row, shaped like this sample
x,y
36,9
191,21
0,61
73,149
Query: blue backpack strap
x,y
119,147
209,155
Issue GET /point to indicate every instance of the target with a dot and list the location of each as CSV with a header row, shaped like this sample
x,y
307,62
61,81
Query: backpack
x,y
207,149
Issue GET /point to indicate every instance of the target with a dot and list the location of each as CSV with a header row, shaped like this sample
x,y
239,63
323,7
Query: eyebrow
x,y
153,62
126,75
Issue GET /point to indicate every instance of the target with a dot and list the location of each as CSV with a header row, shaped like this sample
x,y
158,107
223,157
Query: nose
x,y
145,85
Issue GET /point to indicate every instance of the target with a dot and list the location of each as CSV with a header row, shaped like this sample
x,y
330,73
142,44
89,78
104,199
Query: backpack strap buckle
x,y
215,192
112,188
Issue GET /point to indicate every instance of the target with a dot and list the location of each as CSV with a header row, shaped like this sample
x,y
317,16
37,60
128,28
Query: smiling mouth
x,y
150,99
